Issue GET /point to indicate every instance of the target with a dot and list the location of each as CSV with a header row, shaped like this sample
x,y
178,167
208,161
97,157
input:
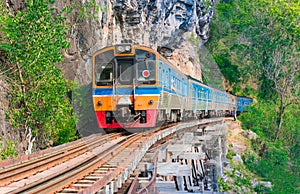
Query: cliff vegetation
x,y
39,109
256,44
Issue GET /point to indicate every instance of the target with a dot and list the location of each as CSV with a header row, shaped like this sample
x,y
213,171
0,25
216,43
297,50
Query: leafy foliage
x,y
223,185
32,41
238,179
274,158
270,167
256,44
9,151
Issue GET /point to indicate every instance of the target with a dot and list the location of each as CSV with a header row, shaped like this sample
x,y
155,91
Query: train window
x,y
145,72
107,72
125,70
165,78
194,92
173,83
145,66
142,55
104,68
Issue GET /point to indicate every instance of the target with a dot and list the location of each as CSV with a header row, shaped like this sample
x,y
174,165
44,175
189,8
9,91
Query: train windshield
x,y
145,67
125,71
104,63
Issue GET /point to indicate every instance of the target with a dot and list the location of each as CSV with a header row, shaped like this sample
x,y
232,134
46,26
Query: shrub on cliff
x,y
32,41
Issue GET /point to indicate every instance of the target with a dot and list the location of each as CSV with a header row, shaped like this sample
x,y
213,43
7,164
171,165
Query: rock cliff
x,y
164,25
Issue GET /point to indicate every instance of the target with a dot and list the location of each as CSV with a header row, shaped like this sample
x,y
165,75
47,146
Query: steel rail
x,y
59,180
41,163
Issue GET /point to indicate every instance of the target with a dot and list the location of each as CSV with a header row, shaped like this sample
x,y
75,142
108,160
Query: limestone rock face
x,y
164,25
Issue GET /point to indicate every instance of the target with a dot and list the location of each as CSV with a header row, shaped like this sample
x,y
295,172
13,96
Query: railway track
x,y
101,163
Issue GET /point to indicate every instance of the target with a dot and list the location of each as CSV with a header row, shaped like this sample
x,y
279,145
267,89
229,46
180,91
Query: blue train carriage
x,y
243,104
174,91
218,103
211,102
226,103
199,99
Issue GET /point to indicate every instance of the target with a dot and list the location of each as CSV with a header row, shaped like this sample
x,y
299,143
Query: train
x,y
134,87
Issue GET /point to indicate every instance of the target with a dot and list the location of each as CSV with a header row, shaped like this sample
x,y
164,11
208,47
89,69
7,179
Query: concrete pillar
x,y
107,189
119,181
111,187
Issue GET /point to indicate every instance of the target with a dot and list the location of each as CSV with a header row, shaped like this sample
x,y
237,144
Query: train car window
x,y
169,78
107,73
104,68
125,71
142,55
194,92
160,74
165,78
173,83
145,66
145,72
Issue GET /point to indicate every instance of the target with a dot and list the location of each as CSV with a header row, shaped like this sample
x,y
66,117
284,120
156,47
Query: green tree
x,y
263,38
276,37
32,41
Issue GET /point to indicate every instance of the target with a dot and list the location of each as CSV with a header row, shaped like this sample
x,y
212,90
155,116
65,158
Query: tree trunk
x,y
280,118
30,141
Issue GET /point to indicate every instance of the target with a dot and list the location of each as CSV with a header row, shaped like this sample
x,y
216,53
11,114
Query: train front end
x,y
125,88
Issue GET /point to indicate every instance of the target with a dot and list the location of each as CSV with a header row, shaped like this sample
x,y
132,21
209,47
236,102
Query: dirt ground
x,y
238,139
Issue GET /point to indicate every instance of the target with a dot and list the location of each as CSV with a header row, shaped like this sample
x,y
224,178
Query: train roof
x,y
194,79
245,97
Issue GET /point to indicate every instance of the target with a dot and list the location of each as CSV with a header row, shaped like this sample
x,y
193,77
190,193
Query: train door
x,y
213,107
123,88
124,71
207,96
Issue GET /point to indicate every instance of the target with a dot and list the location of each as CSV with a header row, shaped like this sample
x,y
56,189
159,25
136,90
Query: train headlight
x,y
120,49
123,48
99,103
151,102
127,48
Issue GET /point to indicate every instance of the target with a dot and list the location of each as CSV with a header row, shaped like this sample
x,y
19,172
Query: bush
x,y
9,151
32,41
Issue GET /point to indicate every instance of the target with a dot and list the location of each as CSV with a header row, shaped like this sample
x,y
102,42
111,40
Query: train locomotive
x,y
135,87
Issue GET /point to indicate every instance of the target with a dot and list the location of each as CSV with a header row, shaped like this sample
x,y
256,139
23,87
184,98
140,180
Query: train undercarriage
x,y
135,121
